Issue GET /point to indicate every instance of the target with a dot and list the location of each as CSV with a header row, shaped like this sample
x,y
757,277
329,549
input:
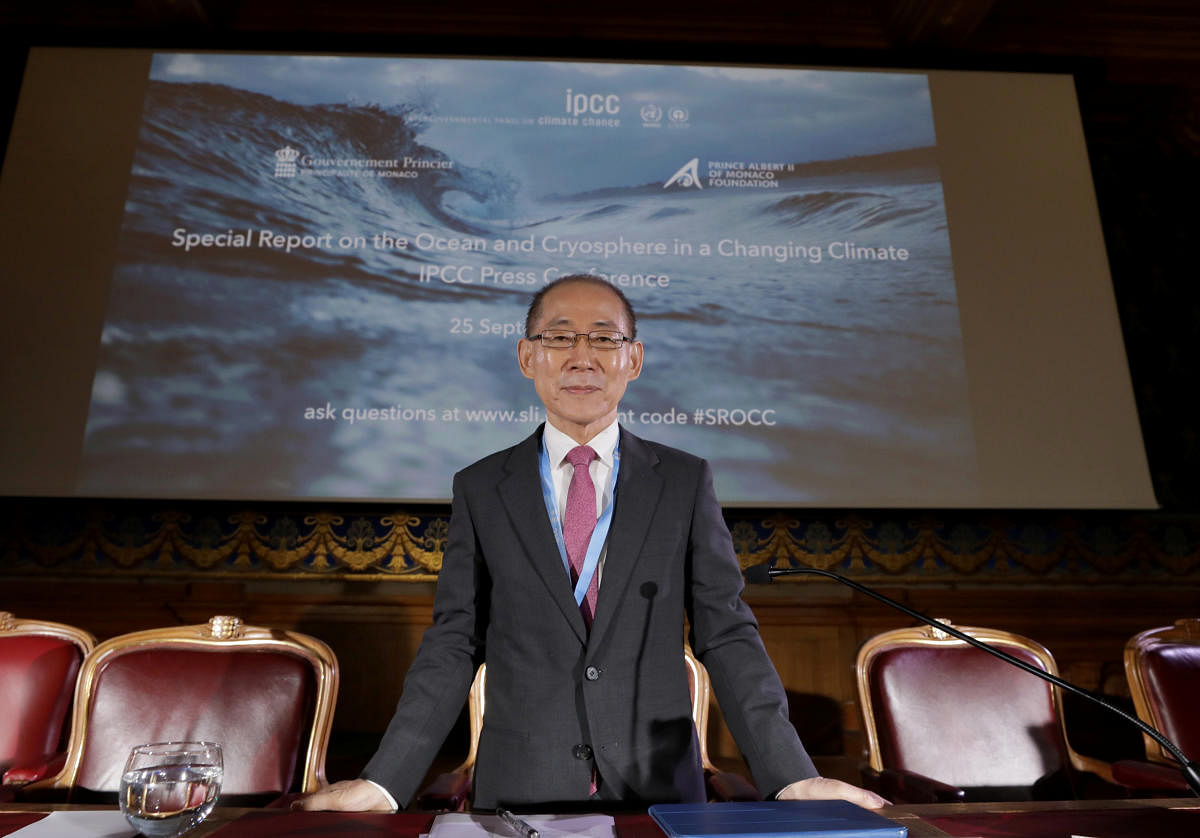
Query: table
x,y
1166,818
1159,818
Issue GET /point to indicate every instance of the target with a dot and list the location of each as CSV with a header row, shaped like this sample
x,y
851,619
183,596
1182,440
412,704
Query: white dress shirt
x,y
558,445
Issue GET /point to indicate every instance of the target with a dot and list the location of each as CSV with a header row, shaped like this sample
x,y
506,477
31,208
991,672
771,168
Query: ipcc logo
x,y
579,104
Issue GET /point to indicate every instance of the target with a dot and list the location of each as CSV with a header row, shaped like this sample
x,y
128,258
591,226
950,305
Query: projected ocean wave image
x,y
284,325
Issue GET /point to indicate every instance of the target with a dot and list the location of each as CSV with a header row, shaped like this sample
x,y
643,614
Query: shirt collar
x,y
558,444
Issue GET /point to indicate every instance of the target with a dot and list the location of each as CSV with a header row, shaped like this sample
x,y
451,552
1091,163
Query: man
x,y
587,696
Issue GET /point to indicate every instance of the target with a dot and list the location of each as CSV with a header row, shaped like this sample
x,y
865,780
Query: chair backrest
x,y
39,664
937,706
698,683
267,696
1163,668
701,690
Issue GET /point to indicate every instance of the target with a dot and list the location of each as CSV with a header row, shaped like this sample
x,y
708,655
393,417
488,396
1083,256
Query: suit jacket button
x,y
592,673
582,751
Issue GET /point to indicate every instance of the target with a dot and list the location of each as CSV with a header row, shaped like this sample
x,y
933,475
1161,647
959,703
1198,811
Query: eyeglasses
x,y
602,339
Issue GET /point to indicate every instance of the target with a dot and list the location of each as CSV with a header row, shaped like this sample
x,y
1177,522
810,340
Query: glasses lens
x,y
605,340
558,340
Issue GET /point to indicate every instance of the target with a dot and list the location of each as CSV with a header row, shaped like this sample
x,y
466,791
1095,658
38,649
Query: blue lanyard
x,y
599,535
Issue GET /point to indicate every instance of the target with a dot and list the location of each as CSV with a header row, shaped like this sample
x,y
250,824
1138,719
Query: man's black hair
x,y
535,305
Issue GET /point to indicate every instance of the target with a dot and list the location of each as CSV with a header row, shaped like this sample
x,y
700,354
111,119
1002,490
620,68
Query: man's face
x,y
581,387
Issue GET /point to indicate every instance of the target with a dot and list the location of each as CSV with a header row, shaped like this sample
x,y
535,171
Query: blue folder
x,y
773,819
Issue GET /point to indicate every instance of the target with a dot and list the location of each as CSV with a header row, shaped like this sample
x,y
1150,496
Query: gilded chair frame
x,y
1183,632
221,633
475,708
935,638
701,689
13,625
701,697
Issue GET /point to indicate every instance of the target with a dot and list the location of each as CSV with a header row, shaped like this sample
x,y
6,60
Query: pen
x,y
517,825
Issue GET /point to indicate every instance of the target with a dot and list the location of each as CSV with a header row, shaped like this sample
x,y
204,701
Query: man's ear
x,y
635,360
525,357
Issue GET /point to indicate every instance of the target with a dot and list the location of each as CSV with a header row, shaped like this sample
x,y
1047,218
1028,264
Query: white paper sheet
x,y
456,825
93,824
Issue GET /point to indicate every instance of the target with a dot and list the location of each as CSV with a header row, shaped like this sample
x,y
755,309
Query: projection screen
x,y
266,276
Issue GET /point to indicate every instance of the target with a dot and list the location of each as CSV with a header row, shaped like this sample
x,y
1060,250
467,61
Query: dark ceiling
x,y
1135,41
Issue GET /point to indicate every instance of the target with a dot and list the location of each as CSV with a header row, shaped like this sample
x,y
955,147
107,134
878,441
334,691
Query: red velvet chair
x,y
947,722
452,790
1163,669
266,696
39,664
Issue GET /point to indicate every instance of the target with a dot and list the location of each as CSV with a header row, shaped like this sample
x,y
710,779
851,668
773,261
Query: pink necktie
x,y
579,521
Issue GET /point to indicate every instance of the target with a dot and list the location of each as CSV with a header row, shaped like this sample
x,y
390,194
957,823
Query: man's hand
x,y
346,796
823,788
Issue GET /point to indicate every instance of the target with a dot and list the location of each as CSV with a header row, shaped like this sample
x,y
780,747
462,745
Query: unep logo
x,y
687,176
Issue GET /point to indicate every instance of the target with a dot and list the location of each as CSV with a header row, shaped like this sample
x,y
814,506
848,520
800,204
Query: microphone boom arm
x,y
1191,770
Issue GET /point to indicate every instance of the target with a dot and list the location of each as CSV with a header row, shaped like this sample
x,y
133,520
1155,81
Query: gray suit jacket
x,y
558,696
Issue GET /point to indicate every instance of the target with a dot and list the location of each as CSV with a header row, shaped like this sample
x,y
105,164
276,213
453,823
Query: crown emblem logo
x,y
285,162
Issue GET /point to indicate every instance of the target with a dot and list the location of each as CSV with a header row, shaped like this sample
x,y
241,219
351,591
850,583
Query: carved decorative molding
x,y
223,627
1014,546
197,539
117,538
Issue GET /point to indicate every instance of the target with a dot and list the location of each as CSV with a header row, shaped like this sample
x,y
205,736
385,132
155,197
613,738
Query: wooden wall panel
x,y
811,631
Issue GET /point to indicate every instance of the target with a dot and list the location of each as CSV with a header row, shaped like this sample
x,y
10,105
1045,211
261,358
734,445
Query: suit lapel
x,y
521,493
638,489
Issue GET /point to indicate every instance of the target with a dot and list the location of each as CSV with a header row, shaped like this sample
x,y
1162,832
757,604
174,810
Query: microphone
x,y
1191,770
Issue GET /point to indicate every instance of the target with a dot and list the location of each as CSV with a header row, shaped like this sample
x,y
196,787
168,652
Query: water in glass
x,y
169,788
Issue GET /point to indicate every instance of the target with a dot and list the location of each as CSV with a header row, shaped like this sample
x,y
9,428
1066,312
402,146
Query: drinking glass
x,y
168,788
